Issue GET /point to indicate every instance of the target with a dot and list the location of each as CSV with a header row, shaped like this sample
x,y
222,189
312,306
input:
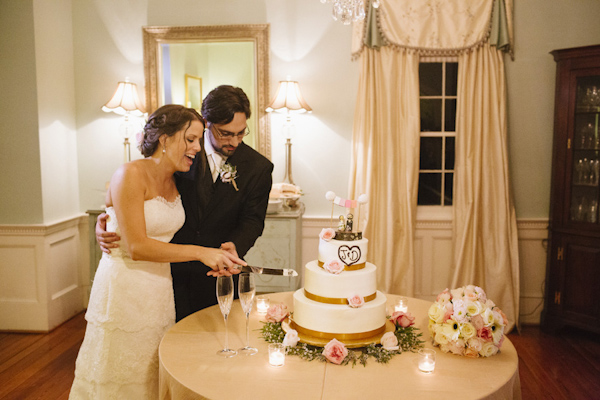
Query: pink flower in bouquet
x,y
456,346
356,301
477,322
333,266
486,334
327,234
444,297
402,319
277,313
335,351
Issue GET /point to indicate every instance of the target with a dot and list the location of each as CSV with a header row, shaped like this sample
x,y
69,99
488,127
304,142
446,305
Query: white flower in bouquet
x,y
464,321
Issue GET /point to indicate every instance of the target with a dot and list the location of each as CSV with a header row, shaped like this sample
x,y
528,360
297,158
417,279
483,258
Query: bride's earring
x,y
164,149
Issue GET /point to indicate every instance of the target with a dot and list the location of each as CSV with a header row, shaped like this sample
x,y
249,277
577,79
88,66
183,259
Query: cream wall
x,y
20,176
540,27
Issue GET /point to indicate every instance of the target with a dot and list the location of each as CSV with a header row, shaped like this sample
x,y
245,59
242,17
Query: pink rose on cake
x,y
389,341
402,319
333,267
356,301
327,234
335,351
291,338
277,313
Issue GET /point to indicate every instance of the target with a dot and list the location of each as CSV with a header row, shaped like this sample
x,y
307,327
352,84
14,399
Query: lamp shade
x,y
125,100
288,98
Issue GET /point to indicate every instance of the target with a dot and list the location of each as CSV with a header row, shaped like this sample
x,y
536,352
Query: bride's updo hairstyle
x,y
166,120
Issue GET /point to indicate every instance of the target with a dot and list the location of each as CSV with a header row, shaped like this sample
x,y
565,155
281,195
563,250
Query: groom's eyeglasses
x,y
228,135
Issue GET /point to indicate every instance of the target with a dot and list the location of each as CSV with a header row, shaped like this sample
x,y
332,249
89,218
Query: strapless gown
x,y
130,309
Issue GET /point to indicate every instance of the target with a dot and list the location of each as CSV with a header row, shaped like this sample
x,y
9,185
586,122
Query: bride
x,y
131,303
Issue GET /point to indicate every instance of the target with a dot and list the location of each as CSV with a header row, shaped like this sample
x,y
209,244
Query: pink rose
x,y
333,266
277,313
457,346
477,322
356,301
485,334
335,351
444,296
327,234
402,319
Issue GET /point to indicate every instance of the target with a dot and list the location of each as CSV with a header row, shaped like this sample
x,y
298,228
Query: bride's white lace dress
x,y
131,307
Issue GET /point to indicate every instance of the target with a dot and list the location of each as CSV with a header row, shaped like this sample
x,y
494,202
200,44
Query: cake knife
x,y
267,271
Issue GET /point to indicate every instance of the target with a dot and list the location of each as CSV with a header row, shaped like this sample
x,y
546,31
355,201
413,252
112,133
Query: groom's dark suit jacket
x,y
216,213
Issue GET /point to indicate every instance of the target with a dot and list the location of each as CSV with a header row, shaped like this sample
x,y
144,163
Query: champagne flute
x,y
246,291
225,299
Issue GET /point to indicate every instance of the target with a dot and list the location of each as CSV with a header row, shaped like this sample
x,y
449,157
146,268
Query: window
x,y
438,99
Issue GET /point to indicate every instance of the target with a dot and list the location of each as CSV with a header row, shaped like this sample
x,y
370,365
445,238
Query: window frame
x,y
441,212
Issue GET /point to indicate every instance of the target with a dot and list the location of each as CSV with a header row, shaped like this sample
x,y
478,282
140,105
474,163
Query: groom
x,y
222,210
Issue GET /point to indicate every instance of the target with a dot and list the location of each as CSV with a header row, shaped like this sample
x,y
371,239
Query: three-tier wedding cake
x,y
340,298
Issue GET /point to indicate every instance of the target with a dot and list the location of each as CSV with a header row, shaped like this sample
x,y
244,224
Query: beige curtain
x,y
385,162
485,231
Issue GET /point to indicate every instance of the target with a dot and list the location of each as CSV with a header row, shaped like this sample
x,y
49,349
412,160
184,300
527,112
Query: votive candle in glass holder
x,y
276,354
426,360
401,304
262,304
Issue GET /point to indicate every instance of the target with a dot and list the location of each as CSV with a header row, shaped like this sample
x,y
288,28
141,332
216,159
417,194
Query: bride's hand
x,y
221,262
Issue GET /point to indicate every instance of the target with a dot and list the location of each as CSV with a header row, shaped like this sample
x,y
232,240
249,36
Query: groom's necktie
x,y
217,163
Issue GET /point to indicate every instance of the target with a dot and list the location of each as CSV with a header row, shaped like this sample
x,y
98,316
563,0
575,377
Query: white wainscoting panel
x,y
41,270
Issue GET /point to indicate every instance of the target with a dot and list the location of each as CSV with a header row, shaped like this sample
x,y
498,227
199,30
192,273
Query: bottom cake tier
x,y
341,322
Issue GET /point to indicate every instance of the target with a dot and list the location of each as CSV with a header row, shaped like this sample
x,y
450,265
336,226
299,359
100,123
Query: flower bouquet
x,y
404,338
464,321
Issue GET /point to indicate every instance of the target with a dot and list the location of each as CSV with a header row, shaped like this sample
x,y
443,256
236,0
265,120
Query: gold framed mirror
x,y
236,55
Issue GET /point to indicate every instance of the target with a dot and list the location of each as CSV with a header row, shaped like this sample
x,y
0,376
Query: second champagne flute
x,y
246,291
225,299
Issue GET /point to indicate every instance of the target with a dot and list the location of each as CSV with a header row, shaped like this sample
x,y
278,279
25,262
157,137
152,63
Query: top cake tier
x,y
351,253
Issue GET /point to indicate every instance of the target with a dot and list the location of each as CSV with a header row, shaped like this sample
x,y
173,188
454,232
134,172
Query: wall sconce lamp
x,y
288,99
125,102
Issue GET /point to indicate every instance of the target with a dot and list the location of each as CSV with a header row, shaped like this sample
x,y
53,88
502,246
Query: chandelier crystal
x,y
347,11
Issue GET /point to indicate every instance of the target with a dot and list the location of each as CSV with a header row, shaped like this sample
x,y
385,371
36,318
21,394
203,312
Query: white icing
x,y
319,282
330,318
355,251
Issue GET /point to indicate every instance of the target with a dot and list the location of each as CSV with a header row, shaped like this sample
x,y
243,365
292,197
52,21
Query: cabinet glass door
x,y
586,152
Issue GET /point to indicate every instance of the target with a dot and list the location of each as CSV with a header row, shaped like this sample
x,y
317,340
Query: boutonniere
x,y
228,173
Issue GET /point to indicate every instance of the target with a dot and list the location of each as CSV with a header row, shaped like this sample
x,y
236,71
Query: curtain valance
x,y
435,27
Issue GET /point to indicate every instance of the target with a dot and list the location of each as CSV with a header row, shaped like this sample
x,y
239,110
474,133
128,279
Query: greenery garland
x,y
409,339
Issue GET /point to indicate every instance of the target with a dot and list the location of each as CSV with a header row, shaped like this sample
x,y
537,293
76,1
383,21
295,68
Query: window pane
x,y
430,79
449,164
431,115
448,188
451,78
450,120
431,153
429,189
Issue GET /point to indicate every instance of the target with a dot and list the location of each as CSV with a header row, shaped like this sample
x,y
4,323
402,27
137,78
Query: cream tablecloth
x,y
191,369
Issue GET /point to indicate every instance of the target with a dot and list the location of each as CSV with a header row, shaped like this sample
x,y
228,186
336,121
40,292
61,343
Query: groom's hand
x,y
106,240
229,247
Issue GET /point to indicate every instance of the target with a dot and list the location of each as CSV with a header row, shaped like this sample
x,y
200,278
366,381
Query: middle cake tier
x,y
325,287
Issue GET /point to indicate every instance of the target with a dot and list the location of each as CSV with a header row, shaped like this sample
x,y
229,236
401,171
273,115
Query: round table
x,y
191,369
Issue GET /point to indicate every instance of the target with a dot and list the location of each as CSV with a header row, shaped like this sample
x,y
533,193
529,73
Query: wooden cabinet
x,y
573,270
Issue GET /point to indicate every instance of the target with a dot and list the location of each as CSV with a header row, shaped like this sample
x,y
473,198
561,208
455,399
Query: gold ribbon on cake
x,y
335,300
353,267
338,336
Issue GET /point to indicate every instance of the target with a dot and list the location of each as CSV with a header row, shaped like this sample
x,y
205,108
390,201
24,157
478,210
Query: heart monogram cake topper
x,y
349,255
